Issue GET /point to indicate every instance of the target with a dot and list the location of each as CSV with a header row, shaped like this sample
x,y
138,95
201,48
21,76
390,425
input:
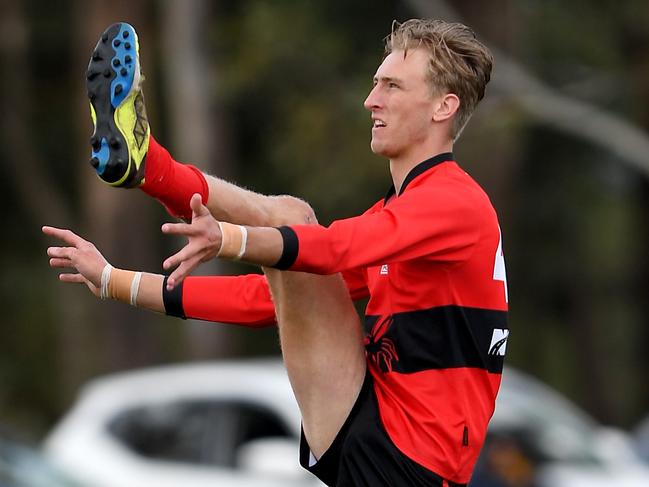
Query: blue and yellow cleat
x,y
121,137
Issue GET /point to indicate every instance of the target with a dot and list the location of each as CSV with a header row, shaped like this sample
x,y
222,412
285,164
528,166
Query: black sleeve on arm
x,y
291,247
173,300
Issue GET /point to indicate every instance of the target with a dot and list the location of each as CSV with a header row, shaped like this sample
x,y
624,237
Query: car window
x,y
197,431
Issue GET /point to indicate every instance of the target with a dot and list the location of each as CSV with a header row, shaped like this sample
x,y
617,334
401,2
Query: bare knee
x,y
289,210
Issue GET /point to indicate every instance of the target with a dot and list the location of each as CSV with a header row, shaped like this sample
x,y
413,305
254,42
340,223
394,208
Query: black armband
x,y
290,250
173,300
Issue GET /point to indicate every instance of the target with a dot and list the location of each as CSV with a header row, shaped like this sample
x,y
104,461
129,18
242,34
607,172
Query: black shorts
x,y
362,454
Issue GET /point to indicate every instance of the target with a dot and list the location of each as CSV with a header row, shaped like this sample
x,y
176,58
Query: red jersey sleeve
x,y
438,221
242,300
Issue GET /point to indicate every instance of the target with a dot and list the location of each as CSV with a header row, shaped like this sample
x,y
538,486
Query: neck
x,y
401,166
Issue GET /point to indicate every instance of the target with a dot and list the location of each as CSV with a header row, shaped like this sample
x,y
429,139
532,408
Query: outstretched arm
x,y
440,222
243,300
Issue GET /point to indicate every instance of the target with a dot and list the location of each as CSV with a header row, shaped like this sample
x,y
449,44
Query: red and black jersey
x,y
436,328
436,319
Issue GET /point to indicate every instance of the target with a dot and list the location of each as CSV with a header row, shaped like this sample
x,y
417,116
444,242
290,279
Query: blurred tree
x,y
125,236
270,94
30,198
196,129
295,90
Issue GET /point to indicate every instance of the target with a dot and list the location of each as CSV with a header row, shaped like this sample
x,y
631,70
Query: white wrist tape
x,y
244,241
135,288
223,237
105,279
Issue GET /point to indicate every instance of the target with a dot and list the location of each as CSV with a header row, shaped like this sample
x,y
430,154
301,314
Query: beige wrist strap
x,y
234,239
120,284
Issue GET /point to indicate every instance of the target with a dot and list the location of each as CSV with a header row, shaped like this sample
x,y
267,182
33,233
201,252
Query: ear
x,y
446,107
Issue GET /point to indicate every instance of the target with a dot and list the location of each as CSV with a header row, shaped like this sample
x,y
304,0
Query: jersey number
x,y
499,265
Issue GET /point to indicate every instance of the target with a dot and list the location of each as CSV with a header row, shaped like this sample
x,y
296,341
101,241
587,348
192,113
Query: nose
x,y
372,100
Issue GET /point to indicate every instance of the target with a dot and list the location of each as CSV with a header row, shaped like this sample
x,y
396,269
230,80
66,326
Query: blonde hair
x,y
458,62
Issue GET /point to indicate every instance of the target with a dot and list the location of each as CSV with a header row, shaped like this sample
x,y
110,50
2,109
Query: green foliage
x,y
290,80
296,89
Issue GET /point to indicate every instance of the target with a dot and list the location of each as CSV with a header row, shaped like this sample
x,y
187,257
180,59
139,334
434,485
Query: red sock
x,y
171,182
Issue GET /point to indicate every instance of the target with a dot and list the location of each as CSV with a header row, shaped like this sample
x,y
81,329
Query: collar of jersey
x,y
419,169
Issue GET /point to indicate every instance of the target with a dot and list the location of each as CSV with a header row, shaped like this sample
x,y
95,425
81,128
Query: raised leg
x,y
319,329
320,332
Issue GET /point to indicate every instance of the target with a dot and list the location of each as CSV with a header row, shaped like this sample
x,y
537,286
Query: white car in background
x,y
236,424
641,434
21,465
214,424
564,446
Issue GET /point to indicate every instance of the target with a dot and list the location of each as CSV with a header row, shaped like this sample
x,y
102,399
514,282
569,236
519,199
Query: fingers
x,y
74,278
61,263
190,256
68,236
187,259
182,271
61,252
197,206
171,283
187,253
178,229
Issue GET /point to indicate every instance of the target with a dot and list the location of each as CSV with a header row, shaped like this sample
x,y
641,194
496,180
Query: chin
x,y
379,149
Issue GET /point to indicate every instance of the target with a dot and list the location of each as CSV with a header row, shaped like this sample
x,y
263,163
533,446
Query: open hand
x,y
80,255
204,241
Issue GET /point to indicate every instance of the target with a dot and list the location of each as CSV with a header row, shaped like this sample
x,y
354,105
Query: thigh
x,y
322,345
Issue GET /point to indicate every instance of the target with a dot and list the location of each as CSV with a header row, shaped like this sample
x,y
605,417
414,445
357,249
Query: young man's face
x,y
402,105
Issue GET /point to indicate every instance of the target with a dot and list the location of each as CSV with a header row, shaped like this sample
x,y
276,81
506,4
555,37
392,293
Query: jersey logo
x,y
381,350
499,342
384,270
